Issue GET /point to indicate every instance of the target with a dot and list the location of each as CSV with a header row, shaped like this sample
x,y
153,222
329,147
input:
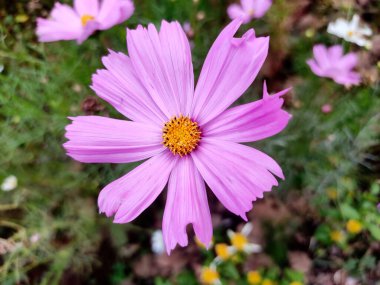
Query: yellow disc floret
x,y
85,19
181,135
354,227
254,277
209,276
239,241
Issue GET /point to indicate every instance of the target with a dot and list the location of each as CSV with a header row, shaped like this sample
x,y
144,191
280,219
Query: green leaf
x,y
375,231
349,212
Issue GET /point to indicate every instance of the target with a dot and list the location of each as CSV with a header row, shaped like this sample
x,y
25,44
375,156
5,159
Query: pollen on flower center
x,y
181,135
86,18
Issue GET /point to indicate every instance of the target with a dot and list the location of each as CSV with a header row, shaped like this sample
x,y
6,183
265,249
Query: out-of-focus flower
x,y
35,238
210,276
267,282
189,137
331,63
223,251
240,240
326,108
254,277
202,245
9,183
378,207
354,226
249,9
87,16
351,31
337,236
296,283
157,241
188,29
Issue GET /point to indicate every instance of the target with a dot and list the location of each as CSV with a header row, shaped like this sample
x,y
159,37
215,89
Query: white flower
x,y
9,183
240,240
157,240
351,31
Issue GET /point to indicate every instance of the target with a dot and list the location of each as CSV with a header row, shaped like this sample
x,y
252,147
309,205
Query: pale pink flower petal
x,y
230,68
235,11
114,12
237,174
250,122
87,7
186,203
120,86
163,61
64,24
331,63
94,139
260,7
128,196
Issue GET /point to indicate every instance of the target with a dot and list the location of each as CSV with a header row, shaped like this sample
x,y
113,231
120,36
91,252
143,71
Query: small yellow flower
x,y
296,283
223,251
354,226
254,277
337,236
210,276
332,193
267,282
239,241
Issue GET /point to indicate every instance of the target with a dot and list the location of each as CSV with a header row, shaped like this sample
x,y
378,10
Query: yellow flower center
x,y
181,135
254,277
239,241
350,33
222,251
209,276
354,226
267,282
85,19
336,236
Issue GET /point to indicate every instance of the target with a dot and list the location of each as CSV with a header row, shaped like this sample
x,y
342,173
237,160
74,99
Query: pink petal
x,y
316,68
163,61
87,31
114,12
87,7
230,67
348,79
120,86
237,174
63,25
186,204
250,122
128,196
321,56
248,4
348,62
235,11
261,7
94,139
335,52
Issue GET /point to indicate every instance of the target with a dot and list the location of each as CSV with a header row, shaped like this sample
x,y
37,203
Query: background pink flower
x,y
66,23
190,137
331,63
249,9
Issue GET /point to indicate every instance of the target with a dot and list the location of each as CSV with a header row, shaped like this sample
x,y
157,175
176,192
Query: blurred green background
x,y
50,229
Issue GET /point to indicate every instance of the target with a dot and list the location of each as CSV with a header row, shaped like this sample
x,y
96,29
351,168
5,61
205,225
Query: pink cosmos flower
x,y
249,9
188,136
331,63
326,108
78,24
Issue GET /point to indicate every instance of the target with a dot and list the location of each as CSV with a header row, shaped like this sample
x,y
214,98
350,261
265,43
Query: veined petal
x,y
64,24
87,7
230,67
186,204
128,196
163,60
237,174
120,86
250,122
94,139
235,11
113,12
